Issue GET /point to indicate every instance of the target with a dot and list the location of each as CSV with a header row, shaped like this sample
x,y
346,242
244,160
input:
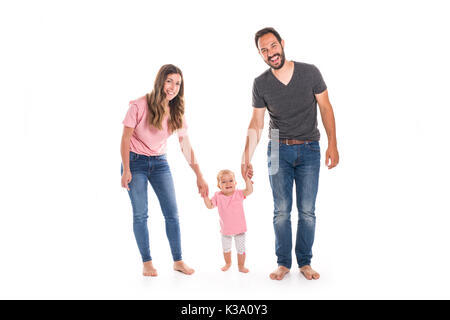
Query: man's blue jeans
x,y
156,170
299,163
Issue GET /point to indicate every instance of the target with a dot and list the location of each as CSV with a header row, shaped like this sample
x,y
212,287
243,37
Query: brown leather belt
x,y
292,141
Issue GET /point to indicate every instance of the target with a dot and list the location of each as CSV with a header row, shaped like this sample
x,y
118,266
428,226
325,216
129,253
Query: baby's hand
x,y
247,171
208,202
248,186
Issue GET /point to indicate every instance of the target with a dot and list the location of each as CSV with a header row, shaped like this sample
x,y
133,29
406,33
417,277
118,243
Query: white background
x,y
69,69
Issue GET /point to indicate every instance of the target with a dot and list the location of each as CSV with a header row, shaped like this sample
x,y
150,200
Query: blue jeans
x,y
156,170
299,163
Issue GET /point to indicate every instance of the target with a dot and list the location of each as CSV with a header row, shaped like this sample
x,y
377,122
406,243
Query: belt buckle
x,y
287,142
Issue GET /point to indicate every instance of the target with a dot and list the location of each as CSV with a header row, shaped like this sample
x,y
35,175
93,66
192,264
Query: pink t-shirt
x,y
147,139
231,212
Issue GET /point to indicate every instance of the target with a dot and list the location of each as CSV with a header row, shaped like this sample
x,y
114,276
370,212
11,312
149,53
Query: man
x,y
290,91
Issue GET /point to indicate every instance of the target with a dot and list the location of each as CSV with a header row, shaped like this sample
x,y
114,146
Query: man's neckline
x,y
292,76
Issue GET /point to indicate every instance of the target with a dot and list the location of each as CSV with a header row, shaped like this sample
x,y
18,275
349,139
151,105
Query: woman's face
x,y
172,85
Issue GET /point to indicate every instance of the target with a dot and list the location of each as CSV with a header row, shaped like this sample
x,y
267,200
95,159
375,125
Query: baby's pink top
x,y
147,139
231,212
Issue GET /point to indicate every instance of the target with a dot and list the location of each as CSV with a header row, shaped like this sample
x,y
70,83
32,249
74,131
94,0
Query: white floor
x,y
78,264
123,281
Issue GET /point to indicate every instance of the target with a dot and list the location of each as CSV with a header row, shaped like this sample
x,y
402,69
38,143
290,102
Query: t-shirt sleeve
x,y
214,200
131,116
257,100
319,85
182,132
240,194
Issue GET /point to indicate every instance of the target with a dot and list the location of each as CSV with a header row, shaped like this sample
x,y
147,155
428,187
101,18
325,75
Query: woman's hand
x,y
126,178
202,187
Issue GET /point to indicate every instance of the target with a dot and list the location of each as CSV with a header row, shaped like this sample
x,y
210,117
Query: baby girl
x,y
229,203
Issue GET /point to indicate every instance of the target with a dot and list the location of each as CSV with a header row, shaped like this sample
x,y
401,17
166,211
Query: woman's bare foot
x,y
309,273
149,270
279,273
182,267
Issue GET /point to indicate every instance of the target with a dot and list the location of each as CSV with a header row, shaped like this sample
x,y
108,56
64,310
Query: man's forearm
x,y
252,140
330,126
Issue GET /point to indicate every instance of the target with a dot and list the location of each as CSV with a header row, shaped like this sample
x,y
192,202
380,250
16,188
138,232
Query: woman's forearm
x,y
196,169
125,153
189,155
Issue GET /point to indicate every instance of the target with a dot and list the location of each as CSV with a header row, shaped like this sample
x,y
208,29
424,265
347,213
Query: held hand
x,y
202,187
331,157
247,171
126,179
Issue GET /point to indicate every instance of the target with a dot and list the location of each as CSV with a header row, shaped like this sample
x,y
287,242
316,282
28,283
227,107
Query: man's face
x,y
271,51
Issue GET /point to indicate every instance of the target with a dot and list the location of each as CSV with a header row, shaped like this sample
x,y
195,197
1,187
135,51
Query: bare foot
x,y
226,267
241,263
182,267
279,273
227,257
309,273
243,269
149,270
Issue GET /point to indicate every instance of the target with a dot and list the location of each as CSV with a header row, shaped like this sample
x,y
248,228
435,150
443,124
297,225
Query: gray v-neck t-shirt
x,y
292,107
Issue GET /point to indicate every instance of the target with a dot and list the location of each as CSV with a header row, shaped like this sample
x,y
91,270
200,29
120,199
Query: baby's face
x,y
227,184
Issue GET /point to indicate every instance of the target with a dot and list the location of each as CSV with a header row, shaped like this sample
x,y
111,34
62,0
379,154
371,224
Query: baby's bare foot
x,y
182,267
241,263
149,270
309,273
279,273
243,269
226,267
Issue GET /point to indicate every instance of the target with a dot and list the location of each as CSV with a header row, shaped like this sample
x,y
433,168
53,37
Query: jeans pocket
x,y
313,146
161,158
133,156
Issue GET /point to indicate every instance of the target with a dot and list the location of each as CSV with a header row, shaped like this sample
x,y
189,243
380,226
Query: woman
x,y
150,120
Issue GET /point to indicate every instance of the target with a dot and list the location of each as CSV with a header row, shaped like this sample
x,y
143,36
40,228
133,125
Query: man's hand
x,y
331,157
247,171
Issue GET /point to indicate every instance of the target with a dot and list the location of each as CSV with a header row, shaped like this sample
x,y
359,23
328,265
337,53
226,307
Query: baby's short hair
x,y
222,172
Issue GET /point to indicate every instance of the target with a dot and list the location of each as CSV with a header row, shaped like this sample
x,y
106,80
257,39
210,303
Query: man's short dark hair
x,y
264,31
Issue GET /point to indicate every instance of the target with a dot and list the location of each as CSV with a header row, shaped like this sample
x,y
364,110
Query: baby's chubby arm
x,y
249,187
208,202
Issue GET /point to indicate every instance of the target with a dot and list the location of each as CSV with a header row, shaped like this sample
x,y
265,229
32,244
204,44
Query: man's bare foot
x,y
226,267
182,267
243,269
279,273
149,270
309,273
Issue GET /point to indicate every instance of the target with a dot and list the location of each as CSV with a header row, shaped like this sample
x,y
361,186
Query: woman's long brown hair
x,y
156,98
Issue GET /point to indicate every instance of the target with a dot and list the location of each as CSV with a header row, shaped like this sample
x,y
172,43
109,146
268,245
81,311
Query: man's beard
x,y
282,60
